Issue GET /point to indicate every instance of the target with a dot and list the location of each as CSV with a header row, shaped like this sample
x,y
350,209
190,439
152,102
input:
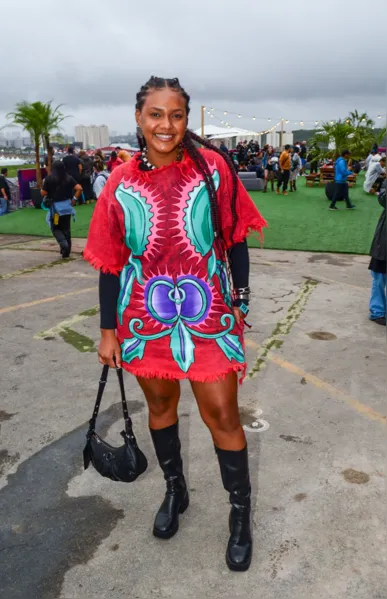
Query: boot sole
x,y
168,534
238,567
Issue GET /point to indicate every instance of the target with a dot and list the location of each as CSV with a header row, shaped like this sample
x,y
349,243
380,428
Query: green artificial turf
x,y
299,221
12,170
302,221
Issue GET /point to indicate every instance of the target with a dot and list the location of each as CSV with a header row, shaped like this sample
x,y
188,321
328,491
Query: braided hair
x,y
190,142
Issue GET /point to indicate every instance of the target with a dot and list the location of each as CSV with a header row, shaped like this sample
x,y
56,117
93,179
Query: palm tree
x,y
30,116
357,119
52,117
332,138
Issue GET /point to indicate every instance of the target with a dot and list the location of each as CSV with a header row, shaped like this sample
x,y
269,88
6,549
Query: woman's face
x,y
163,121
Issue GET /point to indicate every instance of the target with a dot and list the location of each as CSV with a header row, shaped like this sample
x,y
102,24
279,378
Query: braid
x,y
189,144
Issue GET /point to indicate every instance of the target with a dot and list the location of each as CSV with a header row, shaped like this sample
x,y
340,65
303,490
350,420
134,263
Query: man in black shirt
x,y
5,192
73,165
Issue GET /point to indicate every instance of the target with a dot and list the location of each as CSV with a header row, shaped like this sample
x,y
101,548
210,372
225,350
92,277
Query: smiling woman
x,y
166,228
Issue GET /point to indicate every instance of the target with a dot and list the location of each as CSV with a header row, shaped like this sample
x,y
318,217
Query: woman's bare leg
x,y
218,406
162,397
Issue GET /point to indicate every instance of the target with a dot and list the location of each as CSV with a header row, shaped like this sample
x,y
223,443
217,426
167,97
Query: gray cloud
x,y
304,60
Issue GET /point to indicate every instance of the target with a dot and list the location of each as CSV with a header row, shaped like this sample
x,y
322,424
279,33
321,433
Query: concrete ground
x,y
313,405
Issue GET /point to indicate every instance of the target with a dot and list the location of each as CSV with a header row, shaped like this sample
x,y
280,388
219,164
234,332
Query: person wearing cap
x,y
342,173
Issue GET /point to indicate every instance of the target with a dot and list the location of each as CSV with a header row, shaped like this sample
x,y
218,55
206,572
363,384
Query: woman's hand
x,y
109,347
239,316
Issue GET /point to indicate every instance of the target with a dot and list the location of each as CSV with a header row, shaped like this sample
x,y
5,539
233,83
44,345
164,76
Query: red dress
x,y
154,228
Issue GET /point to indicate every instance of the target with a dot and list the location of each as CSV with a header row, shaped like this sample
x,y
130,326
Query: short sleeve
x,y
248,217
105,247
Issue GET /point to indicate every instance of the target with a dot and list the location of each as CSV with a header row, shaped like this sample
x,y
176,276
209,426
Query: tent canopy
x,y
214,132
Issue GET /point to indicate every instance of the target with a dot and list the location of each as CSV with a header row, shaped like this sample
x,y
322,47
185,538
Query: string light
x,y
287,121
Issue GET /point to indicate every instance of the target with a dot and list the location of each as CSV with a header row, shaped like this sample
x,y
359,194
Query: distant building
x,y
93,136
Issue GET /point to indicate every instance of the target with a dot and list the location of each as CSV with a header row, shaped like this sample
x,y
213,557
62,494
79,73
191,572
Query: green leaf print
x,y
182,346
133,348
137,214
127,278
197,217
231,347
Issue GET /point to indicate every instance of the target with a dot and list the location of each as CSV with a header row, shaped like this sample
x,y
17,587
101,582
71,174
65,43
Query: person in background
x,y
113,162
377,265
73,165
372,156
62,192
284,174
269,166
313,159
100,178
5,192
99,155
376,173
295,168
243,168
341,184
223,147
303,155
86,175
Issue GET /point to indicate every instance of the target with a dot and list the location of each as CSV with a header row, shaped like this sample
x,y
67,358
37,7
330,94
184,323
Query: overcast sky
x,y
297,59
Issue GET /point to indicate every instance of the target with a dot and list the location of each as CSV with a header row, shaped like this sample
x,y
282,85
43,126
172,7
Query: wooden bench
x,y
312,180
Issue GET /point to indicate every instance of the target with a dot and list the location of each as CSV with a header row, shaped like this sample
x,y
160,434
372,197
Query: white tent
x,y
210,130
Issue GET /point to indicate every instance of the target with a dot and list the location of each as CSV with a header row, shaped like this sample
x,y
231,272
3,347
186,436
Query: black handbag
x,y
125,463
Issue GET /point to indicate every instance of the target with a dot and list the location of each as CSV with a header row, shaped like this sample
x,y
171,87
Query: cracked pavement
x,y
313,405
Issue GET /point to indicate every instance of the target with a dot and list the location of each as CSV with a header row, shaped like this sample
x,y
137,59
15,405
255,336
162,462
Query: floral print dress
x,y
153,228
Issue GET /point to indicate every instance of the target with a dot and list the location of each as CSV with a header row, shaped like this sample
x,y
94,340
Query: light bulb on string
x,y
239,116
269,120
225,113
286,122
212,109
332,122
253,118
316,122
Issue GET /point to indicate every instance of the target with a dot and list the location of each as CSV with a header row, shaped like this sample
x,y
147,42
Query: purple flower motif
x,y
189,298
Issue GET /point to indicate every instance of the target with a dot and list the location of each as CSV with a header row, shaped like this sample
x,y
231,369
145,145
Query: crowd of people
x,y
278,169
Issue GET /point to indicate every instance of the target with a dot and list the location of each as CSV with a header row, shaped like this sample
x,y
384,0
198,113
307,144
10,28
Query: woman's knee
x,y
222,421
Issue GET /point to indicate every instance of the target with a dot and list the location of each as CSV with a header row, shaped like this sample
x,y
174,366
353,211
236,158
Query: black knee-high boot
x,y
167,445
234,468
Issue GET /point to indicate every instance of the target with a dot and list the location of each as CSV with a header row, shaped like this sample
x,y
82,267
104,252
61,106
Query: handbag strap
x,y
101,389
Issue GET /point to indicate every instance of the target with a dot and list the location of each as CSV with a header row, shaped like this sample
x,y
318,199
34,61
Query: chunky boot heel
x,y
235,476
167,445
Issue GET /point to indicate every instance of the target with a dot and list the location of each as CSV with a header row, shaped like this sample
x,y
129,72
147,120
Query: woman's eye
x,y
155,115
178,116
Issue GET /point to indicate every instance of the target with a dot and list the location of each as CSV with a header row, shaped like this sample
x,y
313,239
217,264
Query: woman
x,y
60,193
296,166
269,166
113,162
99,178
165,223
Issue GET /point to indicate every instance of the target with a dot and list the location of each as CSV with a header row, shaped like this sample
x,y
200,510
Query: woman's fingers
x,y
118,358
108,360
237,315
